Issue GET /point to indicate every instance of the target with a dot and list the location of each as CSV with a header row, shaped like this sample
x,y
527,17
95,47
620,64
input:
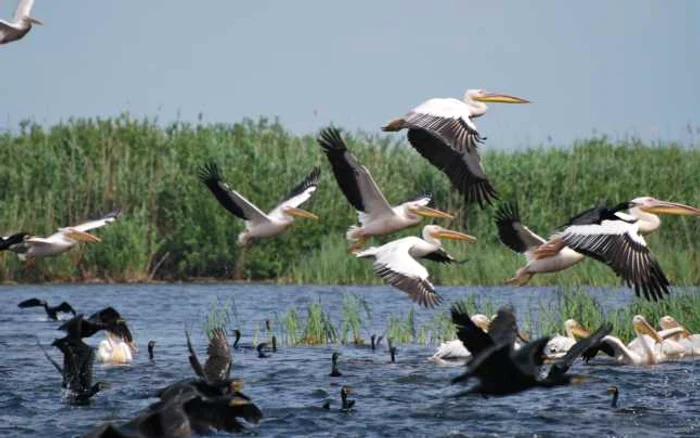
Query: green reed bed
x,y
577,304
313,325
173,229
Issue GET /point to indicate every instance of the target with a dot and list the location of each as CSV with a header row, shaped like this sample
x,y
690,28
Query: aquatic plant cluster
x,y
313,325
175,231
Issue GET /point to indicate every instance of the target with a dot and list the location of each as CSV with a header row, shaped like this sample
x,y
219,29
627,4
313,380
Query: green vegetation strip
x,y
546,318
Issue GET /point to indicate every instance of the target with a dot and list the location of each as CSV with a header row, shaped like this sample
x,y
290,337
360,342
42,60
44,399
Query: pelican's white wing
x,y
442,132
299,194
7,28
24,9
449,119
619,245
39,241
376,205
394,264
96,223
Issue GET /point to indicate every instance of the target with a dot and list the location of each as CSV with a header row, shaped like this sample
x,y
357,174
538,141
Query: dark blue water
x,y
410,397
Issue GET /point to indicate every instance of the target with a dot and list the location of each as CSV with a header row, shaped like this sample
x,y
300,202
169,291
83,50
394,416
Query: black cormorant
x,y
334,365
151,346
51,312
347,403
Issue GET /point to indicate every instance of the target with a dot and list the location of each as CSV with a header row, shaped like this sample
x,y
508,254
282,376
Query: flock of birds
x,y
496,354
443,132
210,402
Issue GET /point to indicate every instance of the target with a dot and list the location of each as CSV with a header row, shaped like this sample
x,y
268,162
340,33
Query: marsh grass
x,y
173,229
222,315
352,324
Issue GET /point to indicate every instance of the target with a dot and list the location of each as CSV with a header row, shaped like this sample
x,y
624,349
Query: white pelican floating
x,y
21,23
396,263
257,223
689,341
376,215
559,345
115,350
64,239
605,234
455,349
647,349
443,132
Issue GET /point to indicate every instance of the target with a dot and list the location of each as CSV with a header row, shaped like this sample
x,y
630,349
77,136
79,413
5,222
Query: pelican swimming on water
x,y
443,132
559,345
455,349
113,349
689,341
395,262
64,239
21,23
606,234
646,354
377,217
257,223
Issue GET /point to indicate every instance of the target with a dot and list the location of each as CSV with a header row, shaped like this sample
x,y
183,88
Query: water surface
x,y
411,397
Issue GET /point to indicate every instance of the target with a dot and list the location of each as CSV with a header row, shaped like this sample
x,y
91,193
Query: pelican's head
x,y
575,329
668,322
298,212
482,321
642,327
31,20
421,207
653,205
436,232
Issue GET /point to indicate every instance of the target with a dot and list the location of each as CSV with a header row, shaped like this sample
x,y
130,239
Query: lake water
x,y
411,397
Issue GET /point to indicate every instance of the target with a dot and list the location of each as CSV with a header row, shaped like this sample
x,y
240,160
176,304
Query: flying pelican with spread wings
x,y
20,25
396,263
257,223
64,239
377,217
443,132
605,234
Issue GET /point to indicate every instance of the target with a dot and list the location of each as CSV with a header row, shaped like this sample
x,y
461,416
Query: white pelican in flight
x,y
377,217
689,341
443,132
605,234
64,239
395,262
21,23
257,223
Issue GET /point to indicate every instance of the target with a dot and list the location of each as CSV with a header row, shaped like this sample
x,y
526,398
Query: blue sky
x,y
624,68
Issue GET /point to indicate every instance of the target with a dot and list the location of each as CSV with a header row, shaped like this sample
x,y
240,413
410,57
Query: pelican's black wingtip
x,y
330,140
